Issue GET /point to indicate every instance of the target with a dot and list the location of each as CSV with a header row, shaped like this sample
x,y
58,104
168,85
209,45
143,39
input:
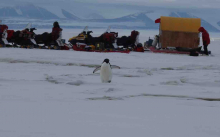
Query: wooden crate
x,y
179,39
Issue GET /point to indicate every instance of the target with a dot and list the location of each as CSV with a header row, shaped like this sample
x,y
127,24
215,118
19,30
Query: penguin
x,y
106,71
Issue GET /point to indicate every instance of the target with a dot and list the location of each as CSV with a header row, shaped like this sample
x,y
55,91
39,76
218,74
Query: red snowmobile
x,y
22,39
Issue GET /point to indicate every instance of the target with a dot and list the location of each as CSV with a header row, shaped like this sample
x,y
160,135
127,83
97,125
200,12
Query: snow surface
x,y
49,93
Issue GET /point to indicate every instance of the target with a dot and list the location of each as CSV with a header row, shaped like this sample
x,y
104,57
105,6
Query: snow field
x,y
49,93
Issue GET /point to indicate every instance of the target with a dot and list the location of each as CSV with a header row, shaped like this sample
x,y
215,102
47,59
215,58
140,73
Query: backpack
x,y
2,28
10,34
139,48
109,37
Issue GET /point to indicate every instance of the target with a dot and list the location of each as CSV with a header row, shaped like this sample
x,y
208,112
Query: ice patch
x,y
205,84
193,67
183,80
170,83
145,71
129,76
8,60
198,67
154,95
14,98
110,90
102,91
169,68
52,80
105,98
76,83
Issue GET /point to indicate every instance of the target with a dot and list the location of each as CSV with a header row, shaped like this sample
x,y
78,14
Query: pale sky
x,y
160,3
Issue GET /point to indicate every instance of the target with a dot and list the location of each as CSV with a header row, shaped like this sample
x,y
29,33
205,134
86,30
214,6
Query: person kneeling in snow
x,y
57,33
205,39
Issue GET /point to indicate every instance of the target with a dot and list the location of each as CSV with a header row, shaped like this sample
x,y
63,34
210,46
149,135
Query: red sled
x,y
139,49
80,49
65,47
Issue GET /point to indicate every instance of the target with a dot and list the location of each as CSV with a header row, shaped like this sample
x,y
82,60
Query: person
x,y
134,38
205,39
57,33
3,34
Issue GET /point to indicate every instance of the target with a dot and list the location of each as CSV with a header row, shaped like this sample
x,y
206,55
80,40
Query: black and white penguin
x,y
106,71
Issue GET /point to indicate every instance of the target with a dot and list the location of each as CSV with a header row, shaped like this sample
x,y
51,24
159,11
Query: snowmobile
x,y
22,39
84,37
131,42
45,41
86,42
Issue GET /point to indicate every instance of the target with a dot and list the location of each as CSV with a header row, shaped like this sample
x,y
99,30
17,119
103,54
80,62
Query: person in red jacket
x,y
57,33
205,39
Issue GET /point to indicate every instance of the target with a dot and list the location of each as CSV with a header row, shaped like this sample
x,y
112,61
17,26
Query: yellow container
x,y
180,24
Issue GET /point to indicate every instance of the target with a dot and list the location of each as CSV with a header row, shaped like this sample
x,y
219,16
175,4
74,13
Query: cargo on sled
x,y
176,35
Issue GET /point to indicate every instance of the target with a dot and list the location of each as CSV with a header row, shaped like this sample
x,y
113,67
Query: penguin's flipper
x,y
114,66
98,68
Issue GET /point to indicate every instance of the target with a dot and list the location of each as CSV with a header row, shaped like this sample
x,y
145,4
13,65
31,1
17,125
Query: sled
x,y
188,49
154,50
101,51
178,51
54,47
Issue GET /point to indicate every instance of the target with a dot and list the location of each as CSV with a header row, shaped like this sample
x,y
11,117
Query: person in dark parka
x,y
205,39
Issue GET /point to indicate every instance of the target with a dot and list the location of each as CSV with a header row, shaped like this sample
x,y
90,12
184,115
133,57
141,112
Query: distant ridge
x,y
140,20
69,15
27,11
137,17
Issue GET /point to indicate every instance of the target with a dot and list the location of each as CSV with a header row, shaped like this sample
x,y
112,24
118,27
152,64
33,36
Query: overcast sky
x,y
181,3
163,3
118,8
